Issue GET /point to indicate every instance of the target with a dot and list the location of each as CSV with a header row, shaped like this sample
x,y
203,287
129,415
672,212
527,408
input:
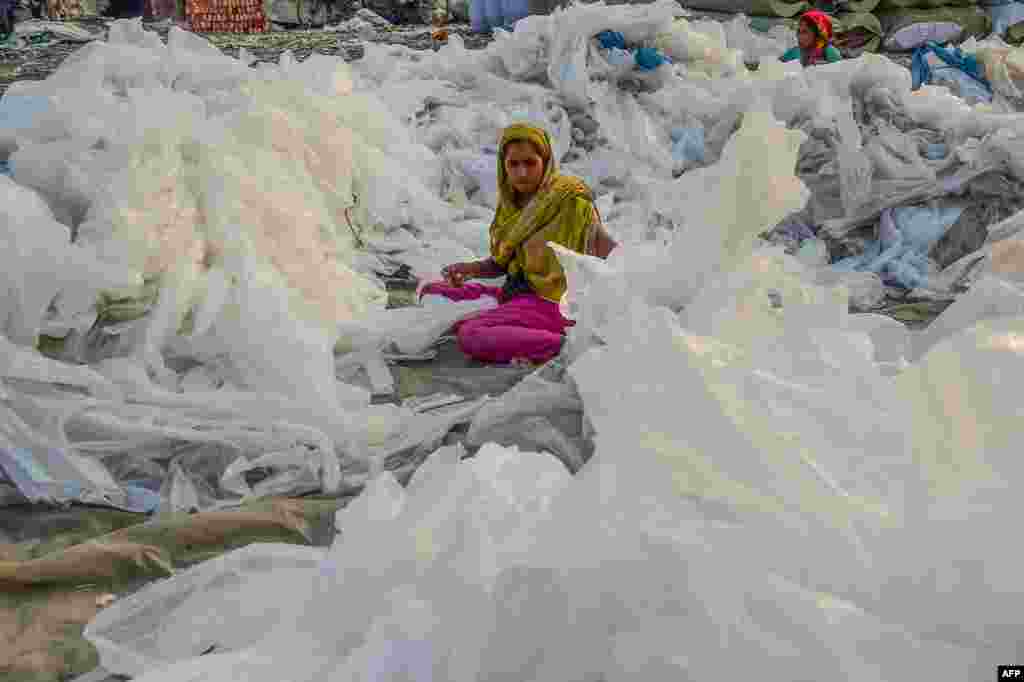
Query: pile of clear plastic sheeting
x,y
772,476
774,481
239,196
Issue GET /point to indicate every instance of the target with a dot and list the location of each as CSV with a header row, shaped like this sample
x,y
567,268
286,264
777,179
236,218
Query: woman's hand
x,y
458,273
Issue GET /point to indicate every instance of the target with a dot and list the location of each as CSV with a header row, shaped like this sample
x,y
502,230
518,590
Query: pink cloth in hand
x,y
523,327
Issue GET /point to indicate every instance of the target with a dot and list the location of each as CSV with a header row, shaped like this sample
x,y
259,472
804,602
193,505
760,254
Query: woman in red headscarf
x,y
814,41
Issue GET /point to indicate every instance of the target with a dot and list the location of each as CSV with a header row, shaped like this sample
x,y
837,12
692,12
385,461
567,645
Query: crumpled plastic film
x,y
715,231
495,500
219,207
45,267
201,602
761,476
542,412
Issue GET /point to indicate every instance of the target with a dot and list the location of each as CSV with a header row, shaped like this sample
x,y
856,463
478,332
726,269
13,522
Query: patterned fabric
x,y
561,211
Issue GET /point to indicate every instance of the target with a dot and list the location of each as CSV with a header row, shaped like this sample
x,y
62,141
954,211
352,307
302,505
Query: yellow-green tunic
x,y
561,211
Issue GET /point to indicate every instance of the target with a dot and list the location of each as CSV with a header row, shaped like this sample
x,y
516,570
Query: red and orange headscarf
x,y
821,23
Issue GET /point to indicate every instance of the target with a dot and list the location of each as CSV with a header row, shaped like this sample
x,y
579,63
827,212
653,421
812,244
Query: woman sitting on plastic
x,y
814,41
536,205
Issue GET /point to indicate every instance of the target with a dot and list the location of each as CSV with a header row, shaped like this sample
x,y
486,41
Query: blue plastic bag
x,y
688,145
649,59
905,236
611,39
960,69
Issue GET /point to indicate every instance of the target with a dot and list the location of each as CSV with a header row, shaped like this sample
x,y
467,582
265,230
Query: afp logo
x,y
1010,672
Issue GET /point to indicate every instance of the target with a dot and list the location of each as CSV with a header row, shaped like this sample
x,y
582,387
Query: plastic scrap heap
x,y
791,393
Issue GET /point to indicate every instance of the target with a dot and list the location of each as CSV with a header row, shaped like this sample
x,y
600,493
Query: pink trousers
x,y
523,327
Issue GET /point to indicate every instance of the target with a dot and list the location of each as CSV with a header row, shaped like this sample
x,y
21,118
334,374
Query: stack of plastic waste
x,y
792,486
215,315
751,435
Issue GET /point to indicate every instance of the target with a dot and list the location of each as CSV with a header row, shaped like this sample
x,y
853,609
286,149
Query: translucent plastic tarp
x,y
501,495
202,603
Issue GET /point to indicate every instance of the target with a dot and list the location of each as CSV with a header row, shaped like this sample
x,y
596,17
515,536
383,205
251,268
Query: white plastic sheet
x,y
498,498
195,612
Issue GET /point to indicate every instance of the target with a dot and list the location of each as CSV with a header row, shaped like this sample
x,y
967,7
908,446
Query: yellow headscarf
x,y
561,211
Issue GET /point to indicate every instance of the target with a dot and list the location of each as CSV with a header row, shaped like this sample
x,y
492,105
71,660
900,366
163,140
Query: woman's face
x,y
806,36
523,166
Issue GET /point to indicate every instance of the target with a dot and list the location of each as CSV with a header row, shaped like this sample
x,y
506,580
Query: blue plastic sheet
x,y
611,39
962,69
905,236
